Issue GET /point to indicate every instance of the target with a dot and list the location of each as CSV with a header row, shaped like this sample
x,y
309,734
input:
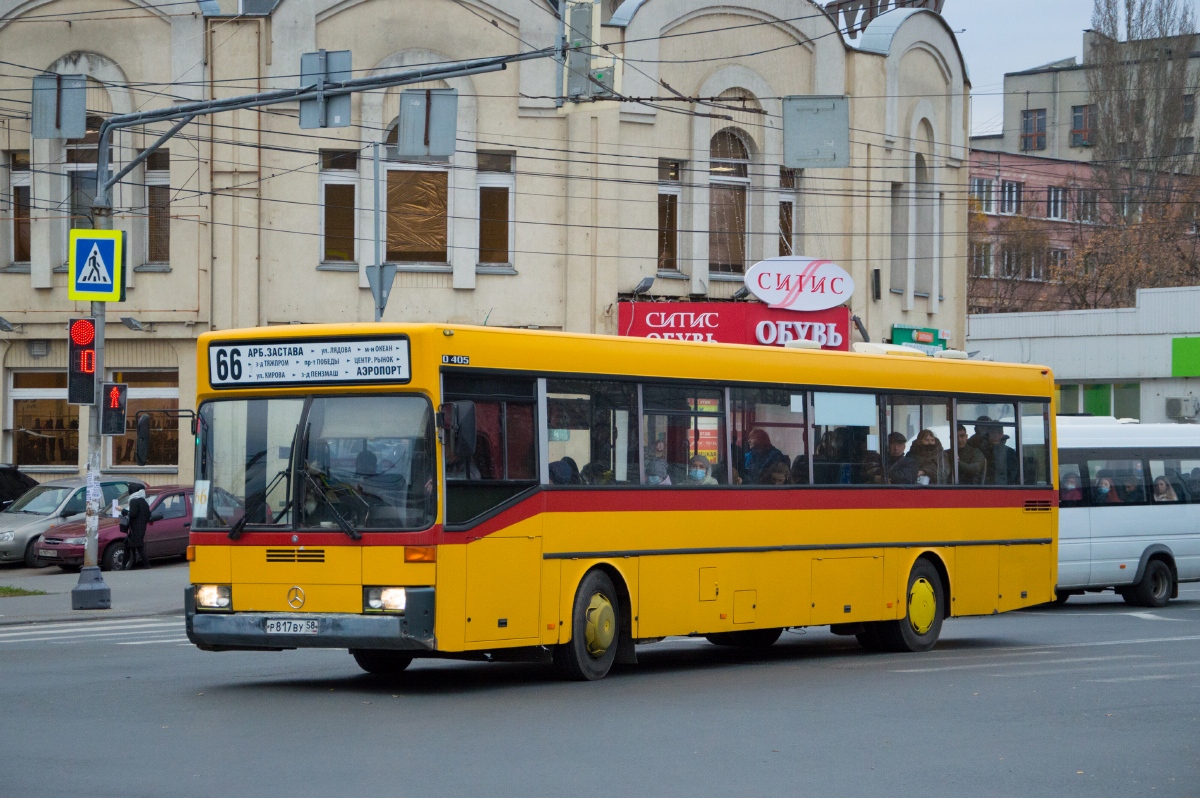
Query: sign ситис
x,y
926,339
799,284
308,362
734,323
96,266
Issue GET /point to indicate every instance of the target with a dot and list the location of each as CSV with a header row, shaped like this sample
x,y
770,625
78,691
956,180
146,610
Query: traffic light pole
x,y
91,592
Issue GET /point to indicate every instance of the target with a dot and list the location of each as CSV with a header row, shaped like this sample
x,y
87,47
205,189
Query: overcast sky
x,y
998,36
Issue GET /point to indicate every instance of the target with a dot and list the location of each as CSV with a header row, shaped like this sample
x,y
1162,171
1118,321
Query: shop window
x,y
682,426
45,429
496,206
1097,400
669,190
148,390
846,428
994,435
339,178
918,450
729,184
158,207
1033,130
768,437
1127,400
1068,399
592,429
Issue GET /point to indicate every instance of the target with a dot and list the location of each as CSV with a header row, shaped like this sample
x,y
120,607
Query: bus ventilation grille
x,y
295,555
1041,506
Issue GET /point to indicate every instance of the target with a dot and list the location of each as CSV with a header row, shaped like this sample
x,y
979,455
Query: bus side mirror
x,y
458,428
142,450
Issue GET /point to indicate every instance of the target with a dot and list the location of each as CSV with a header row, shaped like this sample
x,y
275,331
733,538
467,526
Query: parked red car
x,y
166,534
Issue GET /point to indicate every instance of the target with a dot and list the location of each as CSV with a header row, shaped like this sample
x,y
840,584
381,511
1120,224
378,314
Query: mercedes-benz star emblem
x,y
296,598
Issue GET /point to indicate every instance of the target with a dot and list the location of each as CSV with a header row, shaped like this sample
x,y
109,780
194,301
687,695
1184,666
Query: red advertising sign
x,y
734,323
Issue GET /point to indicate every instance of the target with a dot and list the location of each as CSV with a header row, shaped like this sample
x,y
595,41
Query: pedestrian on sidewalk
x,y
135,542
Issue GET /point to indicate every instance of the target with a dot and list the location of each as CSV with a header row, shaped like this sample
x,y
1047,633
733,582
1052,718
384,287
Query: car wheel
x,y
750,638
31,558
921,625
114,557
595,631
381,662
1154,590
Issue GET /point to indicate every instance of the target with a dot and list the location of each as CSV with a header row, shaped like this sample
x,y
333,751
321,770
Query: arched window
x,y
729,184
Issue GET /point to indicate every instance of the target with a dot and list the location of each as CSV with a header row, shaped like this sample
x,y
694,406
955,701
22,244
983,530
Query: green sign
x,y
1185,357
926,339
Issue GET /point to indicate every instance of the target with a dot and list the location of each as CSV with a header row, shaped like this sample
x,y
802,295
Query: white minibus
x,y
1130,508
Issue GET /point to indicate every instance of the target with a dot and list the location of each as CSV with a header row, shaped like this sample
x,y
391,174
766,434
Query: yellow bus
x,y
427,490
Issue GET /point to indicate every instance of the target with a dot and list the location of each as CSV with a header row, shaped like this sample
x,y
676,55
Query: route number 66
x,y
229,364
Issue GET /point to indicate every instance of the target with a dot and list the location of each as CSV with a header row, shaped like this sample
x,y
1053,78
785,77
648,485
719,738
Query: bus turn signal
x,y
420,554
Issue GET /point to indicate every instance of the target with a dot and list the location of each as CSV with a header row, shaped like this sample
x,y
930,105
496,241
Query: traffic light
x,y
112,414
81,365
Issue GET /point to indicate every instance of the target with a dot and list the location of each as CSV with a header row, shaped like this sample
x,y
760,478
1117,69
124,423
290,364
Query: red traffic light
x,y
83,331
114,398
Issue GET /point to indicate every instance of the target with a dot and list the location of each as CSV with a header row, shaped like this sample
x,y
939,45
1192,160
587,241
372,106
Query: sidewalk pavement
x,y
135,594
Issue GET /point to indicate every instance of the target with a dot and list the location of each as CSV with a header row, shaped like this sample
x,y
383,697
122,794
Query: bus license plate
x,y
290,627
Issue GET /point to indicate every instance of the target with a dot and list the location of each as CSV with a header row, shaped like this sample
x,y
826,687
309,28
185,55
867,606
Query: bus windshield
x,y
332,462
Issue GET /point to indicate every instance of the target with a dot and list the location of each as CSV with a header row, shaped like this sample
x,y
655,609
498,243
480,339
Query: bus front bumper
x,y
247,631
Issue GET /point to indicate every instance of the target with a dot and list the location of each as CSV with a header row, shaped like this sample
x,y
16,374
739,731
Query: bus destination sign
x,y
338,361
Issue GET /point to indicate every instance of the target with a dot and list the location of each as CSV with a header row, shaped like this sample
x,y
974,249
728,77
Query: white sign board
x,y
802,284
329,361
200,498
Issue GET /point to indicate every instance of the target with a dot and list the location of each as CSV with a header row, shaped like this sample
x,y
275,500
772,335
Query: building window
x,y
417,214
1037,266
1123,400
1056,202
45,429
148,390
339,176
1057,260
729,185
789,181
158,207
1185,145
1083,119
981,260
669,188
18,164
496,198
81,154
1010,263
981,193
1089,204
1010,196
1033,130
1189,108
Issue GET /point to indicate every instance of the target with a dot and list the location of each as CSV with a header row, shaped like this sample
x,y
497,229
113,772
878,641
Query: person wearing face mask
x,y
1070,490
656,473
700,471
1106,491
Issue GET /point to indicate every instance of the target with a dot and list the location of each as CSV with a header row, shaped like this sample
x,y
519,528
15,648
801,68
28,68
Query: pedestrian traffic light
x,y
81,364
115,402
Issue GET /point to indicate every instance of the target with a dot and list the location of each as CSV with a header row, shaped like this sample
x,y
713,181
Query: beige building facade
x,y
547,214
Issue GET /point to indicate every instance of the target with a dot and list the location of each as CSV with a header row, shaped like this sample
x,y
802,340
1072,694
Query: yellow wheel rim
x,y
601,626
922,606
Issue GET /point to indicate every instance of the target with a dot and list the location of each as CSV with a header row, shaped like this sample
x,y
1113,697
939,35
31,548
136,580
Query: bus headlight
x,y
214,597
385,599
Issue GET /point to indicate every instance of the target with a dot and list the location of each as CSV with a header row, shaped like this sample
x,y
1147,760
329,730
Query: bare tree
x,y
1009,264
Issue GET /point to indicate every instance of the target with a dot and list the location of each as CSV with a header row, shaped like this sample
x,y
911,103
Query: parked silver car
x,y
44,507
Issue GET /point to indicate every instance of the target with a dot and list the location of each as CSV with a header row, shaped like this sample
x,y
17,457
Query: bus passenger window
x,y
1117,480
1070,485
592,432
846,428
683,430
994,429
919,449
1168,482
1035,431
768,440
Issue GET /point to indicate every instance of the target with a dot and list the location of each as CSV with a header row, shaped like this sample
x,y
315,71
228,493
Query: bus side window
x,y
1070,480
1167,483
993,427
846,431
1035,454
592,432
768,439
918,450
683,431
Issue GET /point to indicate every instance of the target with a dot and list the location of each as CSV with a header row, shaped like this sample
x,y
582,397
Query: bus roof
x,y
545,351
1082,432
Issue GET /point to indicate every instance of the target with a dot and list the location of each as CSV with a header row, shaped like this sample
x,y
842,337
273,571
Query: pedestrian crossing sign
x,y
96,260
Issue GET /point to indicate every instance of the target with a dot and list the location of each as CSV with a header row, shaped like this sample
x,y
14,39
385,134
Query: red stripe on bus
x,y
644,500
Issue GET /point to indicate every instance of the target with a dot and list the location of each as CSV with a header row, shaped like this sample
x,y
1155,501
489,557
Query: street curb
x,y
90,616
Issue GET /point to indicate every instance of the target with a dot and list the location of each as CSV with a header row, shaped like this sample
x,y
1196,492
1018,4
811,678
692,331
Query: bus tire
x,y
925,607
381,662
750,638
595,631
1155,587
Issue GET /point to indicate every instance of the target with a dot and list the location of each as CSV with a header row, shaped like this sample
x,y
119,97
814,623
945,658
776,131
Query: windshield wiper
x,y
311,486
239,525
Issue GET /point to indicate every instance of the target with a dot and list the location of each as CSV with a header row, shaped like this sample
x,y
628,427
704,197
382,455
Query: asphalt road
x,y
1092,699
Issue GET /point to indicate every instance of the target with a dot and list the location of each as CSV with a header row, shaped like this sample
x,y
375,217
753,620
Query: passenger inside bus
x,y
931,458
1164,491
902,468
972,466
656,473
1070,491
1106,491
1131,489
700,471
761,456
777,473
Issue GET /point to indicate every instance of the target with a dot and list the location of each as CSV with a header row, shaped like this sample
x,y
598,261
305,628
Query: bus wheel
x,y
751,638
918,630
1155,588
381,662
595,631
